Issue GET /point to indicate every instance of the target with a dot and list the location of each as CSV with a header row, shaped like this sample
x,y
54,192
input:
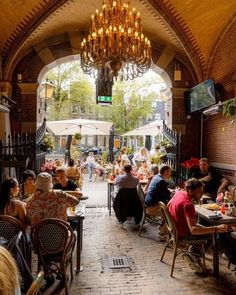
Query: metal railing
x,y
173,158
21,151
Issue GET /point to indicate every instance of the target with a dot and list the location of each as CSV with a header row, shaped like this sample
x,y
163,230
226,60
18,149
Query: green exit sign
x,y
102,99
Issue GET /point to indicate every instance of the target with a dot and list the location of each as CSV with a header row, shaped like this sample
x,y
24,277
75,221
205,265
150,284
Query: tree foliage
x,y
132,100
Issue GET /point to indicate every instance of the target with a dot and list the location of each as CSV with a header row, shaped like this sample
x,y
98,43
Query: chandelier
x,y
115,44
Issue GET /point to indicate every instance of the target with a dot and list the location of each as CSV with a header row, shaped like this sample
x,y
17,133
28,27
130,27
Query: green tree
x,y
82,93
71,86
130,108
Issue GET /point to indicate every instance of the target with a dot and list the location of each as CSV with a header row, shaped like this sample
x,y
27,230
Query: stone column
x,y
29,106
6,90
178,121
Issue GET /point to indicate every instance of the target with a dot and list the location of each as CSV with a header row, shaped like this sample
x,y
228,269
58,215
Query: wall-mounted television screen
x,y
202,96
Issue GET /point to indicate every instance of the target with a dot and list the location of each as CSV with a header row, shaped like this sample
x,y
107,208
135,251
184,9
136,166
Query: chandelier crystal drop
x,y
116,42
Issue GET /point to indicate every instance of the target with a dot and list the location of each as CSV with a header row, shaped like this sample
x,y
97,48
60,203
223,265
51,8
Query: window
x,y
157,116
74,109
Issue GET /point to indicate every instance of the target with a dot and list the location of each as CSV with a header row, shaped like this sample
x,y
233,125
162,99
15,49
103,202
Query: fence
x,y
173,158
21,151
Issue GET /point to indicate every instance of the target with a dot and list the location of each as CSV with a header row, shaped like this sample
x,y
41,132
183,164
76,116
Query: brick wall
x,y
28,107
219,133
219,143
223,68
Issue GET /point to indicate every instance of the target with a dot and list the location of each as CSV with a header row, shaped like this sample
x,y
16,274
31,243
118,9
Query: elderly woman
x,y
9,276
28,187
9,205
154,171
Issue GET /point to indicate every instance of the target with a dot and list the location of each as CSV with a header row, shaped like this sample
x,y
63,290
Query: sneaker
x,y
194,263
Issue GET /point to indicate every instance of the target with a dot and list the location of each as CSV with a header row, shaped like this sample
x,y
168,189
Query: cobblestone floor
x,y
104,237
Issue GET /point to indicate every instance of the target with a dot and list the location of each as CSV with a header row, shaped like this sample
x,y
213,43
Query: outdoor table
x,y
110,189
229,220
78,215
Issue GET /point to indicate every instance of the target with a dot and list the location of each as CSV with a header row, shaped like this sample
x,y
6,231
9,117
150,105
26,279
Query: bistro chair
x,y
36,284
12,230
14,239
127,204
53,241
146,217
173,241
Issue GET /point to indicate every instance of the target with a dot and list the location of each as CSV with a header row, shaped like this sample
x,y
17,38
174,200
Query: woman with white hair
x,y
142,154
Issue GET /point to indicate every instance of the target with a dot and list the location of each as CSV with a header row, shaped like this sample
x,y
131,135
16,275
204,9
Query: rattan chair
x,y
179,245
146,216
53,241
36,284
12,230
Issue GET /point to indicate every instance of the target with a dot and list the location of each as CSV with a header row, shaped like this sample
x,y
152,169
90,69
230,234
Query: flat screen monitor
x,y
202,96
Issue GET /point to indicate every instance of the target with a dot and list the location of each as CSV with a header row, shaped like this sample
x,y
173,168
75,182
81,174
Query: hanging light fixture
x,y
116,42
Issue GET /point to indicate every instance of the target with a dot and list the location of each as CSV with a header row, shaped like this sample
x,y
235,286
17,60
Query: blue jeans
x,y
90,171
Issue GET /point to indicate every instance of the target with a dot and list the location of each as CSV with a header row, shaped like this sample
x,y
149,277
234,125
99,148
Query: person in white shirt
x,y
142,154
90,162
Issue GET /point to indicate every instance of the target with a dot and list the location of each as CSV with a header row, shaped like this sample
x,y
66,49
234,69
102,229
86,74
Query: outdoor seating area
x,y
117,147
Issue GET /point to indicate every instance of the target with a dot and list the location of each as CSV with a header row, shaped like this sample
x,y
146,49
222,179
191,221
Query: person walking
x,y
90,161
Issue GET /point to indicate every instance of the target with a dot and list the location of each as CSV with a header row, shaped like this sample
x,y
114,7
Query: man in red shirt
x,y
182,210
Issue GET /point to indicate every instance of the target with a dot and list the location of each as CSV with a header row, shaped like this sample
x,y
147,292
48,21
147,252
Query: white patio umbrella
x,y
152,129
82,129
83,126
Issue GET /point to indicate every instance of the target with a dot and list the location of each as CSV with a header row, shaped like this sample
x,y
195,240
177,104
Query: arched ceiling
x,y
189,29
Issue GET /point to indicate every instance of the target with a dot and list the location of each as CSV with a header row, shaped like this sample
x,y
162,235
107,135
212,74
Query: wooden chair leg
x,y
164,251
71,269
142,223
65,281
173,262
204,255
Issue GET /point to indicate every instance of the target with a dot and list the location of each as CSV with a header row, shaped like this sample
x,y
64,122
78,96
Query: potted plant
x,y
229,108
168,145
46,144
78,136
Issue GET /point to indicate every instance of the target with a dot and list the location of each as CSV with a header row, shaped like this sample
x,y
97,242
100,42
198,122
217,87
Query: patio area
x,y
105,237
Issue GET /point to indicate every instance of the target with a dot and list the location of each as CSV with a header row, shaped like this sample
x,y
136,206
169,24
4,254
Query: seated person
x,y
126,180
144,169
28,187
182,210
154,171
47,202
9,205
9,275
99,169
214,182
142,154
118,168
123,157
158,191
64,183
73,173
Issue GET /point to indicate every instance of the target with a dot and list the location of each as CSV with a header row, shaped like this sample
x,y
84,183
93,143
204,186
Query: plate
x,y
213,207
